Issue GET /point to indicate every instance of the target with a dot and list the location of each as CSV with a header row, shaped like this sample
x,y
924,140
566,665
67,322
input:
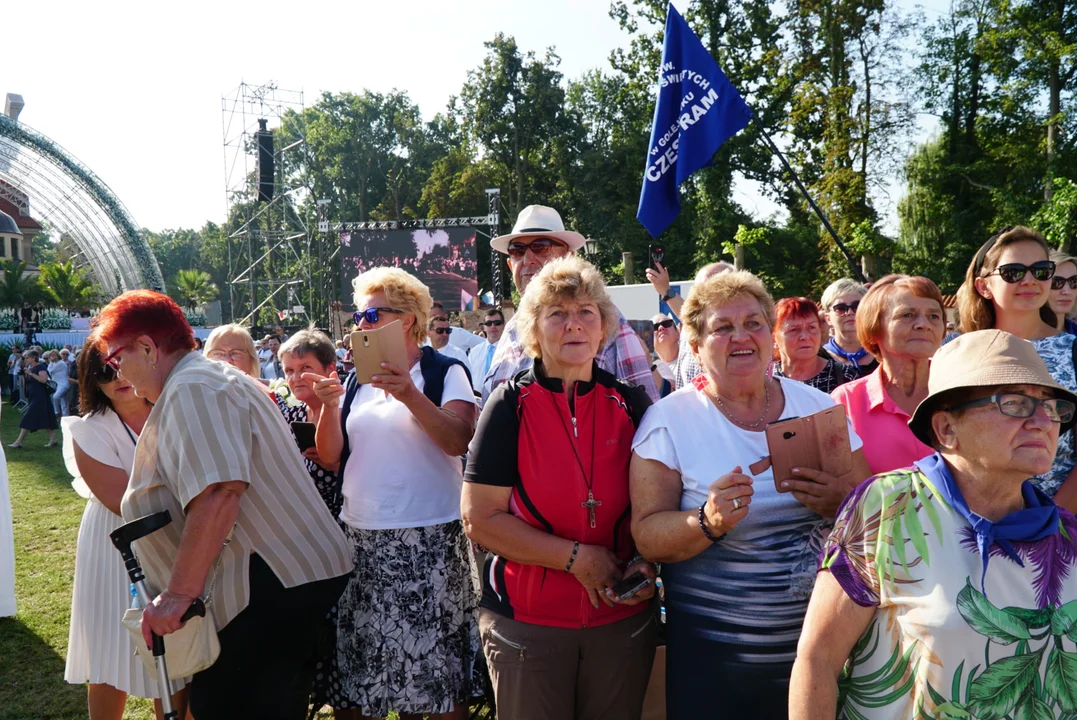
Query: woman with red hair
x,y
274,565
798,338
901,321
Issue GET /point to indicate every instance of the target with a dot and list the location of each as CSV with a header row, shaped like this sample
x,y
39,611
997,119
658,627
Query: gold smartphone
x,y
370,348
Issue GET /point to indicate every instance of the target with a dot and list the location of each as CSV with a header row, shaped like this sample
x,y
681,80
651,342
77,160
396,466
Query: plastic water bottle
x,y
136,604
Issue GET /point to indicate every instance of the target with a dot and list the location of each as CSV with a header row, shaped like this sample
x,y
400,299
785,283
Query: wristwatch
x,y
667,297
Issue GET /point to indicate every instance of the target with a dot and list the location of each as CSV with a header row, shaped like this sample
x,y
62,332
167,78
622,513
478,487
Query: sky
x,y
134,89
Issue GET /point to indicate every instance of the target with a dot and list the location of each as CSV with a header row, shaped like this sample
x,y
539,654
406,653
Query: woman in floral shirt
x,y
948,589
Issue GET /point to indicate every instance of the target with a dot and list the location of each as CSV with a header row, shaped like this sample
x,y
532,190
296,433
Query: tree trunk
x,y
1054,79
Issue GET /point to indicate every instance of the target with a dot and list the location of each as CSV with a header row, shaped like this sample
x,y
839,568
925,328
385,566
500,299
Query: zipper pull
x,y
575,432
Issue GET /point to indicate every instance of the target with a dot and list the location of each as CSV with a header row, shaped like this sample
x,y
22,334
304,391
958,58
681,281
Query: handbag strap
x,y
208,599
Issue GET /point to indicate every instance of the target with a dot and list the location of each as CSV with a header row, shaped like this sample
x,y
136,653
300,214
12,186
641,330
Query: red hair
x,y
870,316
144,312
793,308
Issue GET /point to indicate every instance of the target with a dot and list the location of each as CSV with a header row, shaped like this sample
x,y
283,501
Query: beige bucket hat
x,y
984,358
538,221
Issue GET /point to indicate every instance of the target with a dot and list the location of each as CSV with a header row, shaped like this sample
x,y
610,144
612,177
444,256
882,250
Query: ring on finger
x,y
736,503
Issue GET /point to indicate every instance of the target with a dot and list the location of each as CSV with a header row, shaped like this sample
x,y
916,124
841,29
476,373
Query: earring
x,y
153,365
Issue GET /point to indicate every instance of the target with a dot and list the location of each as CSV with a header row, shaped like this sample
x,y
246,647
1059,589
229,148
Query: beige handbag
x,y
189,650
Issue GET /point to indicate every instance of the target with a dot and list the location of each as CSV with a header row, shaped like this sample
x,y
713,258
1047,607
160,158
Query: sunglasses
x,y
843,309
106,374
441,331
371,314
111,360
1022,406
492,323
1014,272
539,247
667,324
1058,282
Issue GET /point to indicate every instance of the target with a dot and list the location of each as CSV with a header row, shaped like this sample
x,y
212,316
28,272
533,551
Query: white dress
x,y
7,546
99,649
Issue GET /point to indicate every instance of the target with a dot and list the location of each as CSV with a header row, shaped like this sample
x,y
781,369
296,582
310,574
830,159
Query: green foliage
x,y
194,287
16,287
1057,218
67,286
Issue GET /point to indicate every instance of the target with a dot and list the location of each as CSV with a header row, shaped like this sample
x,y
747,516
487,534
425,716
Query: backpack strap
x,y
351,387
432,365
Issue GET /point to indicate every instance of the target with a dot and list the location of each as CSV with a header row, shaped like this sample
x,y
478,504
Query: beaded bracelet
x,y
575,549
703,526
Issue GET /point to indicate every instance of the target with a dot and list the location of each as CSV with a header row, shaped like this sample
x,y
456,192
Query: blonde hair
x,y
844,286
718,291
234,330
566,278
976,312
402,292
1060,258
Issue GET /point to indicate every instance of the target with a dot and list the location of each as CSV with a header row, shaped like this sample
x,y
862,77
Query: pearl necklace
x,y
729,414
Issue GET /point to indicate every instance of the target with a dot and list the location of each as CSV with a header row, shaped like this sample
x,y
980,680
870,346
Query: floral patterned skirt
x,y
407,633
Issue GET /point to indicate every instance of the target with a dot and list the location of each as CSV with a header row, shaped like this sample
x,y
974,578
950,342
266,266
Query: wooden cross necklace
x,y
590,504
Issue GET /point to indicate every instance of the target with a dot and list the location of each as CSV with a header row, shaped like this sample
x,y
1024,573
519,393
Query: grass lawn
x,y
33,645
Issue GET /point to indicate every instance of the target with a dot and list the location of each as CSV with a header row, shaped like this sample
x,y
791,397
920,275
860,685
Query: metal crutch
x,y
122,538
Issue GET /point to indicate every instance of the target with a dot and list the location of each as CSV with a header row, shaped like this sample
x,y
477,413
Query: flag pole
x,y
826,223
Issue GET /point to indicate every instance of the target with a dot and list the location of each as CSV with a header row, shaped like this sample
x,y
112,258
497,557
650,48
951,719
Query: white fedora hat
x,y
538,221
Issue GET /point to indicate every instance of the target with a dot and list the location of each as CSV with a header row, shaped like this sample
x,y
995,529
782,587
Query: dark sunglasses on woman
x,y
843,309
371,314
492,323
1015,272
539,247
1057,282
667,324
106,374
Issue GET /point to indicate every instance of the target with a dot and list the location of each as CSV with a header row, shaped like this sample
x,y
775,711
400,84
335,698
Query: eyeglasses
x,y
1014,272
228,355
843,309
539,247
1022,406
371,314
492,323
667,324
106,374
1057,282
441,331
112,360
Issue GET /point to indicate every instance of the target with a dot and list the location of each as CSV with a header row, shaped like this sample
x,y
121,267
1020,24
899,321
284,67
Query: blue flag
x,y
698,109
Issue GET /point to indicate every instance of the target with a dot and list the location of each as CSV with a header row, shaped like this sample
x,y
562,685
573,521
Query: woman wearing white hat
x,y
539,236
947,588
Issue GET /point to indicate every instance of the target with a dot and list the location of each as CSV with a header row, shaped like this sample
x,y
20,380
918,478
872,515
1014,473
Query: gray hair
x,y
311,341
845,286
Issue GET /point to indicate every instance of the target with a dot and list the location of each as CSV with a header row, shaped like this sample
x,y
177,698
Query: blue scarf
x,y
1037,520
851,358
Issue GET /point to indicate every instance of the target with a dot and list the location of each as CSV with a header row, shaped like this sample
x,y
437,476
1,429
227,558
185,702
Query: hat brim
x,y
574,240
920,422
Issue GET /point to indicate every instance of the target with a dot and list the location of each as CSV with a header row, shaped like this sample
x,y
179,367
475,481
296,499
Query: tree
x,y
67,286
194,287
16,287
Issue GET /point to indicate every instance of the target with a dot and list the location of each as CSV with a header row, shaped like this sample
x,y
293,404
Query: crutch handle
x,y
197,608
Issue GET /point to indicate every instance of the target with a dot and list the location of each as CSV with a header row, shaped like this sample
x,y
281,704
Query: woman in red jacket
x,y
546,492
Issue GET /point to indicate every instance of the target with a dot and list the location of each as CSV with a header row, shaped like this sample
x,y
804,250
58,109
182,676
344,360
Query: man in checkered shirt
x,y
538,237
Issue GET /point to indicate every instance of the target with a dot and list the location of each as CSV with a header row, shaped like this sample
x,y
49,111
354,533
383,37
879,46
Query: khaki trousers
x,y
548,673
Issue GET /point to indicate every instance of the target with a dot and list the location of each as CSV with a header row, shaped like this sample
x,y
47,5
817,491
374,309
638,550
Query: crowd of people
x,y
527,513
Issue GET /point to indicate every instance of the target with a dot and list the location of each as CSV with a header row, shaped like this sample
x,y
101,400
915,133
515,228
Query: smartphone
x,y
370,348
304,434
819,441
629,586
656,254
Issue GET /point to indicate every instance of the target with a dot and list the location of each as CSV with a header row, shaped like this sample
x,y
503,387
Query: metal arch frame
x,y
80,205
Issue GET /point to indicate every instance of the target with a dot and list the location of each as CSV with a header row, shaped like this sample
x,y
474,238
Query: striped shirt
x,y
212,424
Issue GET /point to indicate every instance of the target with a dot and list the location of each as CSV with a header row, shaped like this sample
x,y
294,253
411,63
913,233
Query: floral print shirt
x,y
941,645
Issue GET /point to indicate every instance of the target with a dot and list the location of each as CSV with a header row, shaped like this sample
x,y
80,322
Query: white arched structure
x,y
73,202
